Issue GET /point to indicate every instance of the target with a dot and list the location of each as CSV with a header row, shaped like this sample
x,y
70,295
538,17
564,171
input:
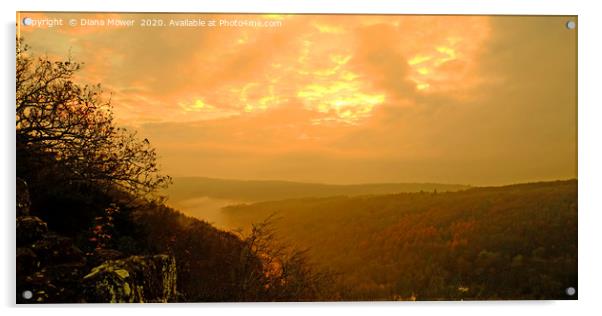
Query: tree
x,y
73,124
285,272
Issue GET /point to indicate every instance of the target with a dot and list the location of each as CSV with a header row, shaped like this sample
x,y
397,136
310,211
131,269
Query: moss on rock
x,y
133,279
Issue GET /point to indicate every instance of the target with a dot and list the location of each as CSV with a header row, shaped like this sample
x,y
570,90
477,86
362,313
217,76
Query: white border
x,y
321,6
590,154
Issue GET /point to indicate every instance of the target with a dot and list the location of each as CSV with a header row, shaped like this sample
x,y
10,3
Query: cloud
x,y
345,98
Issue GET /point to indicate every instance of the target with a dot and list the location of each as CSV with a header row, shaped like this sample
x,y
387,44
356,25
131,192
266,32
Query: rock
x,y
30,229
53,284
53,249
66,279
133,279
23,201
27,262
40,287
50,269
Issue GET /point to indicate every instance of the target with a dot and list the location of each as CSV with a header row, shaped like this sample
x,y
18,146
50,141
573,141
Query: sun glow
x,y
325,74
338,93
316,74
343,101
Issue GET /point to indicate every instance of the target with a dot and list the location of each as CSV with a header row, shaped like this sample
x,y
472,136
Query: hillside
x,y
511,242
257,190
75,260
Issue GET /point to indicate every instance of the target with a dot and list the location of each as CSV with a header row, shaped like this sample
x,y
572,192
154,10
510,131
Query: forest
x,y
510,242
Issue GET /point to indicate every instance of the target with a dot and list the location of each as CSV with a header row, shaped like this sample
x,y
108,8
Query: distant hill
x,y
257,190
510,242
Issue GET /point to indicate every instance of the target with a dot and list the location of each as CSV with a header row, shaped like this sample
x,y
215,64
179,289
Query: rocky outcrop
x,y
27,261
134,279
49,266
53,249
52,284
51,269
30,229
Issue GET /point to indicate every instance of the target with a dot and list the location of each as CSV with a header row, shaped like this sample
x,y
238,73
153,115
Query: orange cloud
x,y
333,65
394,98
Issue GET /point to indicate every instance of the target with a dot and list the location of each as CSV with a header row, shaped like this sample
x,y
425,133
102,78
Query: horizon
x,y
373,183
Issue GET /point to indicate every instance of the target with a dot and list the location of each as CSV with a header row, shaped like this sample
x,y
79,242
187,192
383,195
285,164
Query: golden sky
x,y
340,98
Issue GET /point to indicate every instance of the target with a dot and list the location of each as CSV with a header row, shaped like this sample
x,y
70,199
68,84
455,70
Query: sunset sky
x,y
340,98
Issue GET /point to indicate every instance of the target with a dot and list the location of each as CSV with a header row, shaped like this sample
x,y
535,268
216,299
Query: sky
x,y
479,100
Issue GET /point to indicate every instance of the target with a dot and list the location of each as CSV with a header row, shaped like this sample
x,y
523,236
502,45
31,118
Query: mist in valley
x,y
207,209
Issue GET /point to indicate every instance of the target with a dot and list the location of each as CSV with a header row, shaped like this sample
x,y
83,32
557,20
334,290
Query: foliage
x,y
513,242
285,272
102,230
73,123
